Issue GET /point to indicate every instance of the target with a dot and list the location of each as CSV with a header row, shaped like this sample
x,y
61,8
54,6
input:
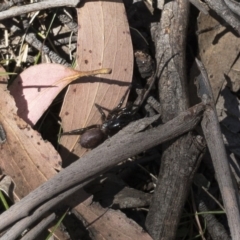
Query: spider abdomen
x,y
92,138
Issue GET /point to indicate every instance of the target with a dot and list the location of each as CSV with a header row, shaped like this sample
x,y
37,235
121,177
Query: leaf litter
x,y
25,156
78,110
35,88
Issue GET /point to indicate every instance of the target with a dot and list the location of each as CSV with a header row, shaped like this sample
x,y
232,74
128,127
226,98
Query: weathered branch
x,y
213,135
220,7
104,157
38,213
233,6
217,150
37,230
201,6
181,156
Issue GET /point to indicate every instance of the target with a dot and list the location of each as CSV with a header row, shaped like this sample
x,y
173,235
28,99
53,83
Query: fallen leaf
x,y
25,156
103,41
105,223
36,87
219,48
234,76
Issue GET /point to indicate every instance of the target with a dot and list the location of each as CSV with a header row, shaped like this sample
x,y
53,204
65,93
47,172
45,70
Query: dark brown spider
x,y
116,119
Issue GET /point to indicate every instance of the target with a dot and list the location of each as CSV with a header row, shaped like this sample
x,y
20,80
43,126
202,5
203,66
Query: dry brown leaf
x,y
25,156
219,48
103,41
109,224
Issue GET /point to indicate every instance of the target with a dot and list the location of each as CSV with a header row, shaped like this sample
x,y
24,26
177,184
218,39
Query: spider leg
x,y
100,109
114,110
122,100
80,130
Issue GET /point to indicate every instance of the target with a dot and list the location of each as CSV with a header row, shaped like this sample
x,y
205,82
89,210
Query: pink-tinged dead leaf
x,y
103,41
109,224
25,156
36,87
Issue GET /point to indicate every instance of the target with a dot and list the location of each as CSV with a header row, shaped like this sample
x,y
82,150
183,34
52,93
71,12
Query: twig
x,y
201,6
31,39
26,222
65,19
13,12
214,227
104,157
154,104
7,4
220,7
234,6
34,232
213,135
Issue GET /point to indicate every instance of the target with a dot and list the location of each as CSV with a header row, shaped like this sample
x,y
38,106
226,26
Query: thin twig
x,y
213,135
234,6
26,222
37,230
17,11
220,7
201,6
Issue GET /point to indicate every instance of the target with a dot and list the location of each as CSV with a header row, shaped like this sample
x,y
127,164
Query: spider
x,y
116,119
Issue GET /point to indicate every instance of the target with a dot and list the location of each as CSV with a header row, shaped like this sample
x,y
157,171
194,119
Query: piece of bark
x,y
181,156
115,193
131,198
176,174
